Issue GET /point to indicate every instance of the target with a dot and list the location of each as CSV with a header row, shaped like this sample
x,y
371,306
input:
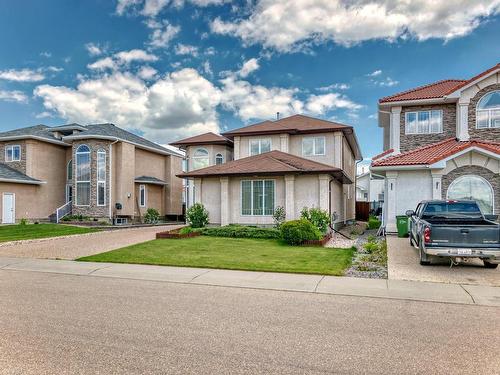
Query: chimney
x,y
277,115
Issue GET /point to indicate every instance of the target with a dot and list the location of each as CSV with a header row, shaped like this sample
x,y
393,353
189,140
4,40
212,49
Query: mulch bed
x,y
321,242
175,233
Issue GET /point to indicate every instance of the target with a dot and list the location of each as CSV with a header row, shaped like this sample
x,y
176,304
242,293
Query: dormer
x,y
64,130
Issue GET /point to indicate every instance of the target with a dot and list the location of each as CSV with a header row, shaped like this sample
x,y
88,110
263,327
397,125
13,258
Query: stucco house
x,y
369,187
441,141
100,171
242,175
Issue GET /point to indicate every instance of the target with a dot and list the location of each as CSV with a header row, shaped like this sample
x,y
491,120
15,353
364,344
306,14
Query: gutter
x,y
17,181
21,137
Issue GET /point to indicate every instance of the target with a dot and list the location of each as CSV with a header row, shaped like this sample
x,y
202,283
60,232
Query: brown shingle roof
x,y
269,163
207,138
291,124
435,152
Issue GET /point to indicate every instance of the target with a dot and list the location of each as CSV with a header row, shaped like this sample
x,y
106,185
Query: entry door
x,y
69,193
8,208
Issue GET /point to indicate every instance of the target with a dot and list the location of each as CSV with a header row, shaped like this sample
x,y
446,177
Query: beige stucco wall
x,y
349,164
245,143
211,198
213,150
173,190
27,203
337,201
154,199
150,164
328,158
123,178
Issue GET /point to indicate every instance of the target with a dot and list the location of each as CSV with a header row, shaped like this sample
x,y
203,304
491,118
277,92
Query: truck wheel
x,y
489,265
424,259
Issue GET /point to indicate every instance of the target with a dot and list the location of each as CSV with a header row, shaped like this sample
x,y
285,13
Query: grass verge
x,y
18,232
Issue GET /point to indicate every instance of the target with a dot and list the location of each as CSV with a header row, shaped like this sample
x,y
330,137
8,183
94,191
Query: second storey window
x,y
219,159
313,146
424,122
259,146
488,111
83,175
257,197
200,158
13,153
101,177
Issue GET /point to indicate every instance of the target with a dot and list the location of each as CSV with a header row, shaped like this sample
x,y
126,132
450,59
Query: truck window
x,y
452,209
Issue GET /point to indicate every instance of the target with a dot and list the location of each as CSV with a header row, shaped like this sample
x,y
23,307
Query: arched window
x,y
101,177
473,187
83,175
200,158
488,111
219,159
69,170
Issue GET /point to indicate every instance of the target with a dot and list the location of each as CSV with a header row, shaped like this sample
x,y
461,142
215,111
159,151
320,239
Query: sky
x,y
169,69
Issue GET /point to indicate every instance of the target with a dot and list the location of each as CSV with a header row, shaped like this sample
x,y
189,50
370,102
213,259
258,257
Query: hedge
x,y
240,231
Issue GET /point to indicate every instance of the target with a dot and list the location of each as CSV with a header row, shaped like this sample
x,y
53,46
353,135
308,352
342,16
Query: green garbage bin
x,y
402,225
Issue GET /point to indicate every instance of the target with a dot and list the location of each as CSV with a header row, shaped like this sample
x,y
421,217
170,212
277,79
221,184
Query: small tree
x,y
197,216
279,216
319,218
152,216
295,232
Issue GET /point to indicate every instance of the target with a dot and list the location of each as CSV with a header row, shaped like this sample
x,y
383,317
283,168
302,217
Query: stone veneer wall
x,y
93,210
492,178
412,141
17,165
491,134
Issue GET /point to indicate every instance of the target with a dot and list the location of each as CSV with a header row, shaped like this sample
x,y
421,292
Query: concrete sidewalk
x,y
397,289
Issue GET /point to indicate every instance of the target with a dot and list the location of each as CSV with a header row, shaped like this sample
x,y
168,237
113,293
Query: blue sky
x,y
174,68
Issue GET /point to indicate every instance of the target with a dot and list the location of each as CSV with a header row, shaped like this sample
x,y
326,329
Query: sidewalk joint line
x,y
317,284
201,274
470,295
98,269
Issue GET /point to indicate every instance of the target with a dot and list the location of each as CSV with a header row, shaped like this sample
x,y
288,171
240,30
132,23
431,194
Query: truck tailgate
x,y
465,235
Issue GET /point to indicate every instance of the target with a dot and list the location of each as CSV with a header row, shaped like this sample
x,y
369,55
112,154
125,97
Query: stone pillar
x,y
290,197
197,190
391,206
337,150
324,180
437,192
463,121
284,138
224,200
395,127
236,151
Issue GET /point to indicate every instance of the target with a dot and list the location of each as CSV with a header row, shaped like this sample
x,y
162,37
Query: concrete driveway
x,y
403,264
73,247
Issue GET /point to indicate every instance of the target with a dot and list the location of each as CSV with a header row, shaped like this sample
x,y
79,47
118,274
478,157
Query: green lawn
x,y
232,253
32,231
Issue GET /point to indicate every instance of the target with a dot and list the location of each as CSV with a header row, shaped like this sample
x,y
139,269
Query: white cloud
x,y
249,67
22,75
186,49
147,73
102,64
163,33
207,69
334,86
44,114
387,82
46,54
320,104
126,57
288,25
13,96
375,73
151,8
95,49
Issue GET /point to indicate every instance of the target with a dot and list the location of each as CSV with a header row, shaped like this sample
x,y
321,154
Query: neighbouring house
x,y
242,175
100,171
441,141
369,188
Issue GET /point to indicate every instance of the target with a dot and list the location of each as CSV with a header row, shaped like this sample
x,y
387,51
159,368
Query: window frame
x,y
416,113
101,181
487,110
12,147
488,184
194,157
314,145
219,156
260,140
142,188
252,197
89,181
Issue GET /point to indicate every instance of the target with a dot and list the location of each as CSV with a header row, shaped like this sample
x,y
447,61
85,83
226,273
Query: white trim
x,y
150,182
142,187
102,182
68,186
250,140
13,208
456,93
21,137
314,145
489,110
407,132
441,100
251,197
16,181
75,192
442,163
69,178
481,178
7,147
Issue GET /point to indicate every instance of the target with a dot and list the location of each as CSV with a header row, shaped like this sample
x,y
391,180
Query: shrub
x,y
319,218
373,223
279,216
371,247
197,216
240,231
297,231
152,216
188,230
23,221
75,218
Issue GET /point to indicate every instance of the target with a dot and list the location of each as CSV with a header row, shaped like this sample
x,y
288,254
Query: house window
x,y
83,175
257,197
219,159
313,146
424,122
142,195
13,153
259,146
488,111
475,188
101,177
69,170
200,158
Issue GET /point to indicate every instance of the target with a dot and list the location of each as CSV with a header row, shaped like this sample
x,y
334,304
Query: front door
x,y
69,193
8,208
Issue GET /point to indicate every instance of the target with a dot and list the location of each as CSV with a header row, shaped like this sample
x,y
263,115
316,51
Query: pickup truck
x,y
455,229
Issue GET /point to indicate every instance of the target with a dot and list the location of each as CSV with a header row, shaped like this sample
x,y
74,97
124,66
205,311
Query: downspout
x,y
111,180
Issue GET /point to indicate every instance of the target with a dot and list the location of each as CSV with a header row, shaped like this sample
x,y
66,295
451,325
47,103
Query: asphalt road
x,y
65,324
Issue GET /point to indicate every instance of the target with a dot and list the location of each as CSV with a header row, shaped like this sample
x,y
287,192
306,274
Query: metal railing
x,y
63,211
